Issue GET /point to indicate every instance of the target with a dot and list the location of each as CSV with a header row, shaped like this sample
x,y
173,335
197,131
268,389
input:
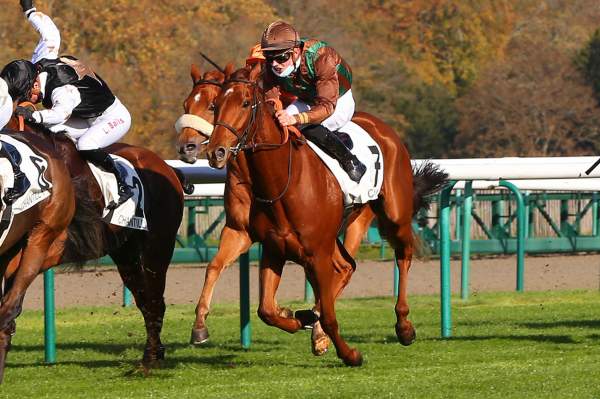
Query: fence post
x,y
445,307
127,297
245,328
309,294
595,215
520,232
466,240
49,318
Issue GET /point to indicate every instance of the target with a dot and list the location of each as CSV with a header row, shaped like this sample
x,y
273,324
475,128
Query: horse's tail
x,y
428,179
85,238
188,188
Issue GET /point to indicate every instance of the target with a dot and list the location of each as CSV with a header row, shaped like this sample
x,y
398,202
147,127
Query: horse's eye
x,y
211,107
246,103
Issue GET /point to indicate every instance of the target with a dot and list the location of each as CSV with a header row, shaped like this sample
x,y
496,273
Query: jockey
x,y
321,80
21,183
76,99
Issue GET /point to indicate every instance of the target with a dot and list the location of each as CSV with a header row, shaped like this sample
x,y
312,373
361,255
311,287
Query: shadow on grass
x,y
564,323
391,339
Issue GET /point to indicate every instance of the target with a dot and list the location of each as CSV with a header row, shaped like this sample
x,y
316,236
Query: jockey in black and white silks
x,y
76,99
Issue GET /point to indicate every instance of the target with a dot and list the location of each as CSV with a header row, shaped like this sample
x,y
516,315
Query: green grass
x,y
532,345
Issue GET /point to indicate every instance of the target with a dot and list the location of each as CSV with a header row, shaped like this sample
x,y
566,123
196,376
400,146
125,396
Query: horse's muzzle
x,y
218,157
188,153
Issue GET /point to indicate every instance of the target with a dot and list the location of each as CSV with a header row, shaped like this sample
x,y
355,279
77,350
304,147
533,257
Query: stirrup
x,y
21,185
125,193
354,168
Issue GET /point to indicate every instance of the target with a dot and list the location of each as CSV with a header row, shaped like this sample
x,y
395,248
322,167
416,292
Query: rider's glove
x,y
26,113
26,6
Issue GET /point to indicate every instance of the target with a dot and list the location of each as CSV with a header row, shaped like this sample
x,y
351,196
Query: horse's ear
x,y
196,73
255,71
228,70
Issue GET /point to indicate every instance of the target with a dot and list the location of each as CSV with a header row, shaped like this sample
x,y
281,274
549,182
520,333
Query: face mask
x,y
287,71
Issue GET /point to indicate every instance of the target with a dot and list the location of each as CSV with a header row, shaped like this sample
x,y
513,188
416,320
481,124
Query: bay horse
x,y
67,228
299,208
194,129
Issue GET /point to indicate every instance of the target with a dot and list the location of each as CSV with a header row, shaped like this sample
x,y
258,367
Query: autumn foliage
x,y
454,77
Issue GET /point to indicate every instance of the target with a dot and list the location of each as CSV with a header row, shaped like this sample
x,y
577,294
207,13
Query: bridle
x,y
196,122
242,137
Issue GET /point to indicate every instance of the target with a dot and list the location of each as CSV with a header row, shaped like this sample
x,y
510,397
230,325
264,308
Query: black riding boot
x,y
335,148
103,160
21,183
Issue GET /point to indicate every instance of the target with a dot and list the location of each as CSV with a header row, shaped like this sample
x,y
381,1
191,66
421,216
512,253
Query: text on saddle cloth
x,y
369,153
131,213
34,167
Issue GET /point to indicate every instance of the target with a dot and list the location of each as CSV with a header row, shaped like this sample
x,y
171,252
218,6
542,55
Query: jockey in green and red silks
x,y
321,80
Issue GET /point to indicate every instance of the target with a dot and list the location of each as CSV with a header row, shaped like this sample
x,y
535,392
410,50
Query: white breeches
x,y
100,132
344,110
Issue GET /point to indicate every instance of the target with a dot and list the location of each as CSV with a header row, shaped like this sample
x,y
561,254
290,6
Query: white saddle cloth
x,y
130,213
369,153
34,167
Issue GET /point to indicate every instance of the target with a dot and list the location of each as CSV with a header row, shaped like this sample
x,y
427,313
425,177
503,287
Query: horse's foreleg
x,y
270,274
233,243
344,268
30,264
324,275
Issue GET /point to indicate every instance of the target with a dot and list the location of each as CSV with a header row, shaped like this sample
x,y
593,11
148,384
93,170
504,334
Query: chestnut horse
x,y
194,130
67,228
289,180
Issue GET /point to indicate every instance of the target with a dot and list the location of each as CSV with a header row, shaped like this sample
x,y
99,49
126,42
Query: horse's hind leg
x,y
144,273
232,244
397,229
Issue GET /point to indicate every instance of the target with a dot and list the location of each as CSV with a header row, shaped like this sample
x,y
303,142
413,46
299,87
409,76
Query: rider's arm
x,y
49,44
328,89
64,101
6,104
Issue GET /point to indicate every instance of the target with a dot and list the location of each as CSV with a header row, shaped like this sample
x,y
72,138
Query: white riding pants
x,y
100,132
344,110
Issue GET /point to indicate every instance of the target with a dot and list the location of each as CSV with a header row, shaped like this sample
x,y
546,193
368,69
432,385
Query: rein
x,y
243,137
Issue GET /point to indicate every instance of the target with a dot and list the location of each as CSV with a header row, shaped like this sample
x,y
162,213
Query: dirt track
x,y
102,286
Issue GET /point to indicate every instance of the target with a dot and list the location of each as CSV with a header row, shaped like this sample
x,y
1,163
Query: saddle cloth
x,y
130,213
369,153
34,167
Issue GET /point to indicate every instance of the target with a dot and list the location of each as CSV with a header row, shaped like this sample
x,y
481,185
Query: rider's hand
x,y
26,113
285,119
26,5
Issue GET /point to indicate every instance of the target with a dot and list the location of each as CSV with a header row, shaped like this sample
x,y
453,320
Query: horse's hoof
x,y
354,358
320,345
406,336
307,318
199,336
286,313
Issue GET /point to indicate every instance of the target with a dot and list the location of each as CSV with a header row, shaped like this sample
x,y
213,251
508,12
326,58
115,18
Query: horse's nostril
x,y
190,147
220,153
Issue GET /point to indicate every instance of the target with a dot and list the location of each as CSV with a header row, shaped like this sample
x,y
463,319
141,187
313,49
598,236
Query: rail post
x,y
445,306
245,327
466,240
49,318
520,232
